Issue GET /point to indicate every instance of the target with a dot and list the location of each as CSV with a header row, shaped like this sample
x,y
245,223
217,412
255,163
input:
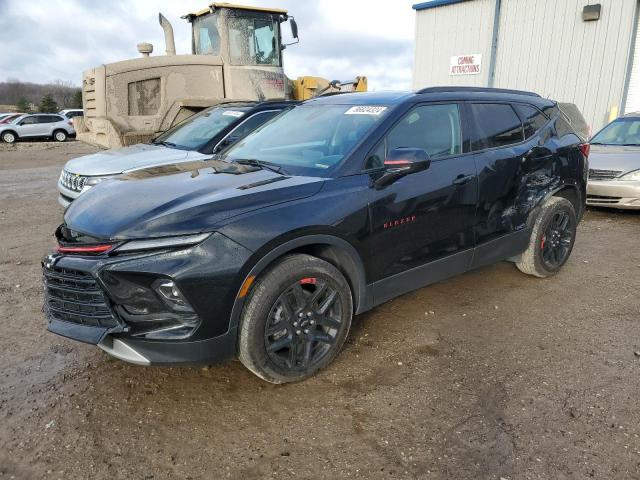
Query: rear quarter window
x,y
496,125
533,119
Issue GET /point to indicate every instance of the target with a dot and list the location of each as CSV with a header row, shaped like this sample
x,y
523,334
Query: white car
x,y
41,125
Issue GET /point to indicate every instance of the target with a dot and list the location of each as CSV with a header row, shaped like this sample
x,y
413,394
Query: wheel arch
x,y
573,194
335,250
8,130
567,190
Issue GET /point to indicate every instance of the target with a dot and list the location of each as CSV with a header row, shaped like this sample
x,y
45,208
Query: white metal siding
x,y
633,92
442,32
544,46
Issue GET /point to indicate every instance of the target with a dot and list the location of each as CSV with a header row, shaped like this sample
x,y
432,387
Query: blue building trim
x,y
436,3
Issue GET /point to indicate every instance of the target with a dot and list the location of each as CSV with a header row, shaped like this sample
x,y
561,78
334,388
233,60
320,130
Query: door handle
x,y
462,179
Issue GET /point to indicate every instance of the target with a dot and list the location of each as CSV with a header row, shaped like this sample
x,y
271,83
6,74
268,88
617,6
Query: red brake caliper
x,y
309,281
544,239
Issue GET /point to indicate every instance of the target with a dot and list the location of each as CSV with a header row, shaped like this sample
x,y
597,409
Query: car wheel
x,y
60,136
552,239
296,319
9,137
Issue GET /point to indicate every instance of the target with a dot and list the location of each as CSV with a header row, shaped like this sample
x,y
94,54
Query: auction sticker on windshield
x,y
365,110
233,113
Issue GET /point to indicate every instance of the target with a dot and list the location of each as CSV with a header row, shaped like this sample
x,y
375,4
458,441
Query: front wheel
x,y
9,137
296,319
60,136
552,239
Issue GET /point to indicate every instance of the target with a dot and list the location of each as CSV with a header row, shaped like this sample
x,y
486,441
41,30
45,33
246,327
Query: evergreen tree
x,y
77,99
23,105
48,104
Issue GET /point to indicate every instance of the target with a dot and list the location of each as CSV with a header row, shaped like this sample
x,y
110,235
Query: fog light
x,y
171,295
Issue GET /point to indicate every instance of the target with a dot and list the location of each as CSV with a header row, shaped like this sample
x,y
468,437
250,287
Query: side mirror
x,y
403,161
294,28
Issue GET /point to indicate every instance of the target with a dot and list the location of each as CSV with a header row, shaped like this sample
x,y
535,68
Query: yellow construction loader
x,y
236,55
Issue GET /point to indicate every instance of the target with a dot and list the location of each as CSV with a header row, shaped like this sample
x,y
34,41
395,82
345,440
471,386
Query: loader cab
x,y
242,36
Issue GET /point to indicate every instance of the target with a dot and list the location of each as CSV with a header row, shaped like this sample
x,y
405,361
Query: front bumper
x,y
614,194
66,195
87,310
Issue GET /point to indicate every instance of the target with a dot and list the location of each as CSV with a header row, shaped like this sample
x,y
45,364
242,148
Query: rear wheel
x,y
60,136
9,137
296,319
552,239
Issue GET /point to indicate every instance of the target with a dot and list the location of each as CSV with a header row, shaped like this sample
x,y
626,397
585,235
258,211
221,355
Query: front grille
x,y
595,174
602,199
72,181
74,296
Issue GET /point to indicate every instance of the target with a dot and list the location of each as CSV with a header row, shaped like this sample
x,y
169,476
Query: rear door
x,y
511,169
426,217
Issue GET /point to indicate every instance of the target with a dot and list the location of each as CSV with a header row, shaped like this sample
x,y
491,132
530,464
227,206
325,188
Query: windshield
x,y
253,41
196,131
623,131
308,139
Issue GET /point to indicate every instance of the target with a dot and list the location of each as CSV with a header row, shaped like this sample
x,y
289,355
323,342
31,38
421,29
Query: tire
x,y
284,334
60,136
9,137
551,242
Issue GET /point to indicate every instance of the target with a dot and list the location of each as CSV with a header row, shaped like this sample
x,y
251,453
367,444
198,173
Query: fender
x,y
362,295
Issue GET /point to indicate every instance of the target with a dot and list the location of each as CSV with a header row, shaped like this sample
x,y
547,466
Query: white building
x,y
576,51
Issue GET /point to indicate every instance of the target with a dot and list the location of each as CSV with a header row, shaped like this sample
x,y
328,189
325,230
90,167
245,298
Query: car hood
x,y
181,199
614,157
119,160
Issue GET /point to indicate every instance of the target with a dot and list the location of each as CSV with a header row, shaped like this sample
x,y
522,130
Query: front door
x,y
28,126
422,224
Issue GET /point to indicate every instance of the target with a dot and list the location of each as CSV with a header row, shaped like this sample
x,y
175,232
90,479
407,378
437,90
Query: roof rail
x,y
477,89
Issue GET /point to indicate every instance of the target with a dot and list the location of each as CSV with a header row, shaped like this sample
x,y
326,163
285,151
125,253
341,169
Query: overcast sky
x,y
43,41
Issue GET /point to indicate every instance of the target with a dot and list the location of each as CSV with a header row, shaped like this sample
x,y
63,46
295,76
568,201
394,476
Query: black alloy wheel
x,y
303,324
295,320
557,240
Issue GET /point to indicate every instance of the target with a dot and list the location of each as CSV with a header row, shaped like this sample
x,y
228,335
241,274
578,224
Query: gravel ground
x,y
490,375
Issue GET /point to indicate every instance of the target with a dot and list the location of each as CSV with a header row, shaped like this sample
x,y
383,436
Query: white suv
x,y
41,125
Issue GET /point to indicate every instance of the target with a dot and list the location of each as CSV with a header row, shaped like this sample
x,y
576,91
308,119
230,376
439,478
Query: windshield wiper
x,y
274,167
167,144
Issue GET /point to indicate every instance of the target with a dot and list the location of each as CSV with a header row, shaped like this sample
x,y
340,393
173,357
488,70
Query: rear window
x,y
497,125
533,119
49,119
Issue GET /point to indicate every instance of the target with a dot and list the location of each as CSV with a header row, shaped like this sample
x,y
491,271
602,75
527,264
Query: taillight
x,y
584,148
70,123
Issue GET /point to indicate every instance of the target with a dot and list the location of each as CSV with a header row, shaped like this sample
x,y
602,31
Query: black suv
x,y
333,207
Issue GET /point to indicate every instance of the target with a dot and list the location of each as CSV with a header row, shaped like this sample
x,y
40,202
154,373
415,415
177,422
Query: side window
x,y
29,120
376,157
434,128
253,122
497,125
533,118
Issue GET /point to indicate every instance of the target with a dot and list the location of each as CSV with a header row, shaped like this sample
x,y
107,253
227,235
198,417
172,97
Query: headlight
x,y
166,242
635,175
92,181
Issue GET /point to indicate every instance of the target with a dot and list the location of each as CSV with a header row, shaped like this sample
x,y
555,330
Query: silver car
x,y
41,125
197,138
614,165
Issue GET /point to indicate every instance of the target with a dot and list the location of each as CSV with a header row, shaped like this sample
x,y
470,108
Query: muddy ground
x,y
491,375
